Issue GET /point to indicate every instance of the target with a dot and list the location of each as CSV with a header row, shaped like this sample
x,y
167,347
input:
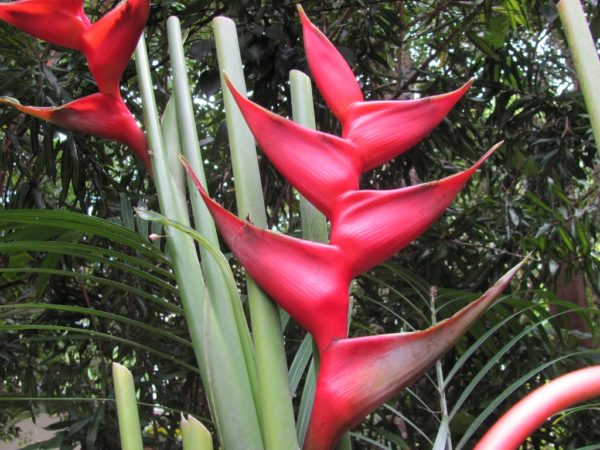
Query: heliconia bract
x,y
107,45
307,279
380,130
101,115
60,22
371,226
357,375
320,165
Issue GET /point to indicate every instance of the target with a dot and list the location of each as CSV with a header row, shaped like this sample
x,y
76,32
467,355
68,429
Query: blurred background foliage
x,y
78,291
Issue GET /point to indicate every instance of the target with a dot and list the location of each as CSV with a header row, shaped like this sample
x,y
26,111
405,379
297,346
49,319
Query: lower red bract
x,y
101,115
357,375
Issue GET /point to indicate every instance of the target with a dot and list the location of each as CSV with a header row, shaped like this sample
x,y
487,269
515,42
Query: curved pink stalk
x,y
531,412
60,22
101,115
321,166
308,279
109,43
382,129
358,375
370,226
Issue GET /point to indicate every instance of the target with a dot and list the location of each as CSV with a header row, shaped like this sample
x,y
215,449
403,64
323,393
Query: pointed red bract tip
x,y
109,43
383,130
358,375
307,279
329,69
321,166
370,226
530,413
58,22
101,115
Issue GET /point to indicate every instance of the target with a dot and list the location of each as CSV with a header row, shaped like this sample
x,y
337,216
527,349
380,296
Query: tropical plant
x,y
252,378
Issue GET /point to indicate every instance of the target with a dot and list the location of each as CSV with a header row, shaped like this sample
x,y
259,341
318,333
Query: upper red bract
x,y
107,45
60,22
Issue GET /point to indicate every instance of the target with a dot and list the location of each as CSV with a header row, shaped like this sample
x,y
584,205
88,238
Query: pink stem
x,y
532,411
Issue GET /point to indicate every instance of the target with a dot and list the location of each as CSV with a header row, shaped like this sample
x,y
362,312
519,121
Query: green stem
x,y
186,126
585,58
217,349
440,376
314,223
129,420
276,411
195,436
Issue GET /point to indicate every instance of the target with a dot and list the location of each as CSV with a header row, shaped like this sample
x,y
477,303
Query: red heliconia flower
x,y
309,280
370,226
530,413
358,375
60,22
367,227
109,43
381,130
102,115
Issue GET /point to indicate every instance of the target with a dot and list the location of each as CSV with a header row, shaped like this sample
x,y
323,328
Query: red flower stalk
x,y
531,412
358,375
380,129
60,22
102,115
308,279
109,43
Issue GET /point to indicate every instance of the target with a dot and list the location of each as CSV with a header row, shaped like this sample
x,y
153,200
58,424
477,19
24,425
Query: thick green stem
x,y
314,224
195,436
278,426
217,348
585,58
129,420
186,126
